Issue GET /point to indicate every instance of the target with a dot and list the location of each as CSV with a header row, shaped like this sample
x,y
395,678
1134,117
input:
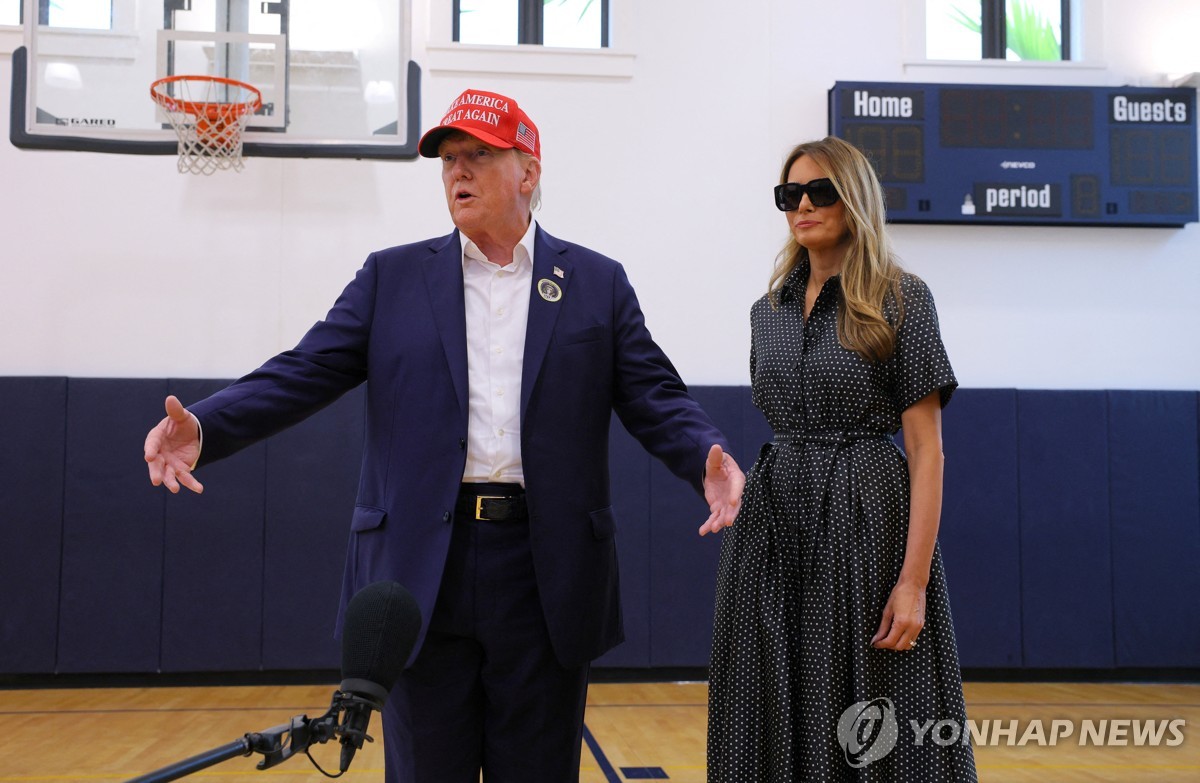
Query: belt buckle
x,y
479,517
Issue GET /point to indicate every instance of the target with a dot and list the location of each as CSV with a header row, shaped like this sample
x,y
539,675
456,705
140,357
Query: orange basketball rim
x,y
209,114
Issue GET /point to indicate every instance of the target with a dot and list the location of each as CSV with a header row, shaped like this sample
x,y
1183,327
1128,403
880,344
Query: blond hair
x,y
870,270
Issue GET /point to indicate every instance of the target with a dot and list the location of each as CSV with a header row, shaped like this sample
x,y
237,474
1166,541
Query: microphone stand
x,y
276,744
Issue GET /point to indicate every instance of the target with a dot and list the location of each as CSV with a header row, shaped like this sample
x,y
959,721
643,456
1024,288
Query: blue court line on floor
x,y
644,773
610,774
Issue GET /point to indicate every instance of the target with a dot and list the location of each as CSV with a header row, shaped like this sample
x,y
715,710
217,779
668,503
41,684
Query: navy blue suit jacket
x,y
401,323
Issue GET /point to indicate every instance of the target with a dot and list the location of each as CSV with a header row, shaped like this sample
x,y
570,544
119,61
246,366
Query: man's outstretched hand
x,y
173,447
723,484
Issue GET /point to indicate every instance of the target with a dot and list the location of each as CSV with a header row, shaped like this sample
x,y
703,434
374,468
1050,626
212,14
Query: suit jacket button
x,y
462,443
446,517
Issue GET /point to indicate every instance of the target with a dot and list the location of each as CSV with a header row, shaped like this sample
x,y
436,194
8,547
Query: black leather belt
x,y
491,503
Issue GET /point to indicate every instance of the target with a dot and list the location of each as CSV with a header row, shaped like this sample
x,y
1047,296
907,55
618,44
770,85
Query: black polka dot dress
x,y
808,567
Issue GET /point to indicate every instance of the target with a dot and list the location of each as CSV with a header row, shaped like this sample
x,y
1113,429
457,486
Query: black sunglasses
x,y
821,193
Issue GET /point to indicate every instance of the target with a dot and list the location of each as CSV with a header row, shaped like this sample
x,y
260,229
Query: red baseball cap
x,y
489,117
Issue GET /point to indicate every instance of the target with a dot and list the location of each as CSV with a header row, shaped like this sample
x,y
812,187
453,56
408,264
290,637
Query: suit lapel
x,y
444,279
548,254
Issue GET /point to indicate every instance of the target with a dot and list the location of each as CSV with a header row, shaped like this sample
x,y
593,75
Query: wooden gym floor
x,y
634,732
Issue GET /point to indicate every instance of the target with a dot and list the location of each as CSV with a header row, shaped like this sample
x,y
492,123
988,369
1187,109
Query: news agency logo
x,y
867,731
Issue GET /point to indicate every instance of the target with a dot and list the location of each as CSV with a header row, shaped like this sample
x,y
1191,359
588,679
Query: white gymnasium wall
x,y
119,266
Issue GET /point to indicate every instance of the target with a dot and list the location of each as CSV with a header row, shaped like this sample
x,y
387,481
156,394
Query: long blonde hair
x,y
870,270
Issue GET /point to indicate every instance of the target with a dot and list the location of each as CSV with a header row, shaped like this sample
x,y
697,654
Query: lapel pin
x,y
558,272
549,290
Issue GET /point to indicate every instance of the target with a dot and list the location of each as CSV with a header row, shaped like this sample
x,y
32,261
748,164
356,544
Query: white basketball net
x,y
209,118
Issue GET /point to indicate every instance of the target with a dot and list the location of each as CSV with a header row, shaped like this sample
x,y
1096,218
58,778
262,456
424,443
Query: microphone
x,y
381,626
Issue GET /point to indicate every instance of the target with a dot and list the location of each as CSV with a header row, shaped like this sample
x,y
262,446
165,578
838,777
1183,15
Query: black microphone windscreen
x,y
381,626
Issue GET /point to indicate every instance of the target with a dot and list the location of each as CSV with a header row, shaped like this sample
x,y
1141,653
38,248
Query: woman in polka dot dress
x,y
833,630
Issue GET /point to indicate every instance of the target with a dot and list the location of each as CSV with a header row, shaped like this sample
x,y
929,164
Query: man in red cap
x,y
496,356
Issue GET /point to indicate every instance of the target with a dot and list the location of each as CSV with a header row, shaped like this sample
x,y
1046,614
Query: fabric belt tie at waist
x,y
837,440
828,438
490,503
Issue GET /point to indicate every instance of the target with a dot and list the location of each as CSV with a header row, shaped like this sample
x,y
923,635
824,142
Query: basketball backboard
x,y
335,77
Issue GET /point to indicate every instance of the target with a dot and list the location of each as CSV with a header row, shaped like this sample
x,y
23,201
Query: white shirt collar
x,y
471,251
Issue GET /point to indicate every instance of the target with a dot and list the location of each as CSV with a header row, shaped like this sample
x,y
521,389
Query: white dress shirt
x,y
497,308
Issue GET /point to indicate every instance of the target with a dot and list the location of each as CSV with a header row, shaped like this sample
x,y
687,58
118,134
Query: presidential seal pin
x,y
549,290
558,273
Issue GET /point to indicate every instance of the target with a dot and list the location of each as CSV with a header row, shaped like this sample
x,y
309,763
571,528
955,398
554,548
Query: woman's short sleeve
x,y
920,365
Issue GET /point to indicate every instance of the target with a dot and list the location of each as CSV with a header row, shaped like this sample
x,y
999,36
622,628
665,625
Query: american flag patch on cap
x,y
526,136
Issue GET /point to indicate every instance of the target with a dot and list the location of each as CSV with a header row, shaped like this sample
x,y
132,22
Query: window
x,y
581,24
577,37
79,14
1037,30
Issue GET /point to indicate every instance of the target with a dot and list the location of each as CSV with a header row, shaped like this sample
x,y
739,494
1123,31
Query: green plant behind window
x,y
1030,36
582,13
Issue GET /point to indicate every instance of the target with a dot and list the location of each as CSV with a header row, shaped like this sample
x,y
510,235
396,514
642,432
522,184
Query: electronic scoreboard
x,y
969,153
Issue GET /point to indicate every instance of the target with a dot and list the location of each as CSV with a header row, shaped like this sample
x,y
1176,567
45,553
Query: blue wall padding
x,y
110,611
629,475
33,423
1070,532
311,483
1155,506
213,562
980,533
683,577
1066,541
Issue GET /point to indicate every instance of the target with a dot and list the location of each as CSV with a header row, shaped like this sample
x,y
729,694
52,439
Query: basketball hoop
x,y
209,114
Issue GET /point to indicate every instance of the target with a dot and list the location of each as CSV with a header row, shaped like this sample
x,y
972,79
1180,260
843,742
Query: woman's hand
x,y
903,618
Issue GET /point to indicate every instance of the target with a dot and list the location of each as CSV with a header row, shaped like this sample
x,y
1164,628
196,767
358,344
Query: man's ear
x,y
533,175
